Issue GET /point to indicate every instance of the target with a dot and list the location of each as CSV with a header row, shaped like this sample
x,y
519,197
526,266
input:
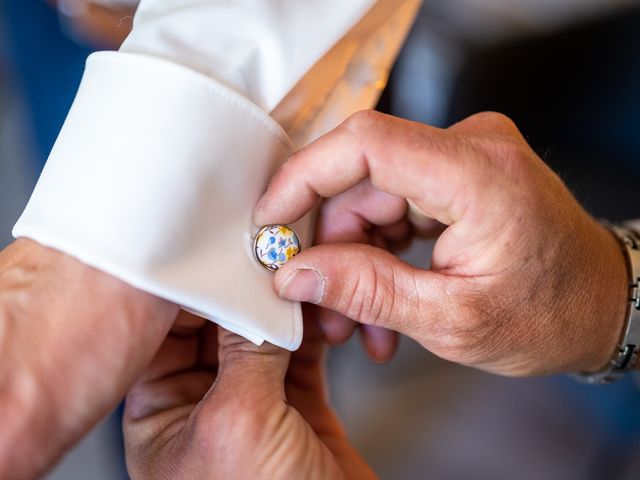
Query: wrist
x,y
633,227
609,300
73,340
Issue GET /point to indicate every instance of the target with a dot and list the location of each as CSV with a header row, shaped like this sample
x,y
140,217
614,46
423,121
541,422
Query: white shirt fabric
x,y
172,140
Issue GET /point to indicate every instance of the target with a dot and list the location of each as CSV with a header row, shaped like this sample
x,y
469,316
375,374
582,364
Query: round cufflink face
x,y
275,245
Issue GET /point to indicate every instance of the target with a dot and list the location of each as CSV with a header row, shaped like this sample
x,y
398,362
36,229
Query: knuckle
x,y
493,118
234,348
239,355
520,166
284,173
509,156
232,345
511,150
371,297
498,136
362,120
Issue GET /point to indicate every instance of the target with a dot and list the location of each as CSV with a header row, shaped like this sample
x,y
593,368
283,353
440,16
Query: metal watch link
x,y
628,347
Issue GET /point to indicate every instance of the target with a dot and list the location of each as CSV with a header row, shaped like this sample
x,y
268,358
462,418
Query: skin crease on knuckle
x,y
370,295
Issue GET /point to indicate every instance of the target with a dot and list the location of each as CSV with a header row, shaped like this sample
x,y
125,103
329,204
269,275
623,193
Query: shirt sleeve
x,y
259,48
170,142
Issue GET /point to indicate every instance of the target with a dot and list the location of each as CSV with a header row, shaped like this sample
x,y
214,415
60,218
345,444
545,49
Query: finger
x,y
368,285
396,236
179,351
168,395
208,348
305,382
381,344
187,324
337,328
305,372
423,226
350,216
403,158
176,376
247,370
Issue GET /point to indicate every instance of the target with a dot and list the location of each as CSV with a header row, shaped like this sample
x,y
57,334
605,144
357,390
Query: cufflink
x,y
275,245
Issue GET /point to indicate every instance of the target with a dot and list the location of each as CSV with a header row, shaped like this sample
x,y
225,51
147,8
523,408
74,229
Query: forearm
x,y
72,340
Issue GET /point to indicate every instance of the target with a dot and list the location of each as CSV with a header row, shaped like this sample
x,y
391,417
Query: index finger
x,y
400,157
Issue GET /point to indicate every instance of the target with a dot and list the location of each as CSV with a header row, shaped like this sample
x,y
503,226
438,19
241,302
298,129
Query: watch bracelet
x,y
628,348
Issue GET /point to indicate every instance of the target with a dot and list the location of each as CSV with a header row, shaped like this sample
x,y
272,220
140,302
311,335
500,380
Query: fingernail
x,y
304,285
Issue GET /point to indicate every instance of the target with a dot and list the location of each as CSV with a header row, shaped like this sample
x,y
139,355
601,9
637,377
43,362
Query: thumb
x,y
250,370
364,283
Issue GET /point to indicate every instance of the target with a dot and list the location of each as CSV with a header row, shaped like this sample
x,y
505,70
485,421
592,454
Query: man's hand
x,y
523,281
72,342
212,405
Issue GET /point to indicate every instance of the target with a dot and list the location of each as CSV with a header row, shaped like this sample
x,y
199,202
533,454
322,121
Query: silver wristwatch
x,y
628,348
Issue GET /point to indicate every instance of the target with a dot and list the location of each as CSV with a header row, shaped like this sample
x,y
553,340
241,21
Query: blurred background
x,y
568,73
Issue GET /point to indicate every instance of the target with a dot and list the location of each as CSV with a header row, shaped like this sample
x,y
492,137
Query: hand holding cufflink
x,y
522,281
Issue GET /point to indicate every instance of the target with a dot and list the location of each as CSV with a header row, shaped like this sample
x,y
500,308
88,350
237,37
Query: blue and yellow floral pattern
x,y
275,245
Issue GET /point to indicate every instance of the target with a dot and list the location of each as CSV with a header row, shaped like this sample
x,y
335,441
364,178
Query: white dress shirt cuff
x,y
153,179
